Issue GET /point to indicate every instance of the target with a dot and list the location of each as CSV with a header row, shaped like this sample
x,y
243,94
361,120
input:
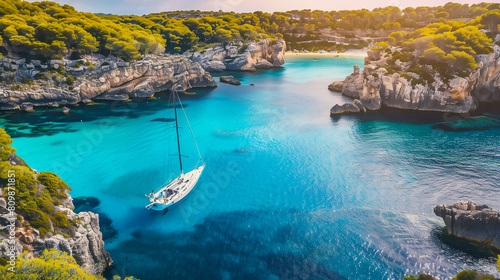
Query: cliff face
x,y
86,244
375,87
471,221
114,82
257,55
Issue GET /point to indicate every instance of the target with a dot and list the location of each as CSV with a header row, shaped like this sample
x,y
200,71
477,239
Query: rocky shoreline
x,y
110,81
375,87
479,224
94,78
45,218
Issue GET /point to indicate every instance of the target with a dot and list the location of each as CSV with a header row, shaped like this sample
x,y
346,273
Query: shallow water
x,y
288,191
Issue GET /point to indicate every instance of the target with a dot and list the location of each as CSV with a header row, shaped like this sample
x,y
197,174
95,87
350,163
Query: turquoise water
x,y
288,191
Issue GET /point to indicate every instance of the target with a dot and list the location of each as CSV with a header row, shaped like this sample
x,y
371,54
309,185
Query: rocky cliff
x,y
237,56
474,222
379,85
110,81
43,217
85,245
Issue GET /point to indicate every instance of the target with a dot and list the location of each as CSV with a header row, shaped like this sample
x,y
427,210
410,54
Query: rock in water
x,y
229,80
237,56
469,220
336,86
344,109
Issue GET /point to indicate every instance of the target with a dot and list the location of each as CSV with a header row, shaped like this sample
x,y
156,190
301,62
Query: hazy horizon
x,y
140,7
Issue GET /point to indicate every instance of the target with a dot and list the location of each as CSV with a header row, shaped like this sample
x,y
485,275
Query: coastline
x,y
325,54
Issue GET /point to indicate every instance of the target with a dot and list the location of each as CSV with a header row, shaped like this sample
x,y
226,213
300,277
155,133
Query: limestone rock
x,y
375,87
137,80
471,221
353,84
229,80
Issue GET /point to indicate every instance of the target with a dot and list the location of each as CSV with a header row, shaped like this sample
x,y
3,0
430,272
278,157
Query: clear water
x,y
288,191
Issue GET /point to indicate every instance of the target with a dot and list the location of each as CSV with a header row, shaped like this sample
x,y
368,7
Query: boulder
x,y
347,108
471,221
336,86
263,64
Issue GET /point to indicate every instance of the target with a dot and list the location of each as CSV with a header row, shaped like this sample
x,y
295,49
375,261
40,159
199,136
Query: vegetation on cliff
x,y
37,194
439,51
51,264
449,47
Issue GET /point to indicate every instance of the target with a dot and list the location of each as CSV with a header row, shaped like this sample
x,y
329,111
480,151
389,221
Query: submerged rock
x,y
85,203
229,80
487,121
473,222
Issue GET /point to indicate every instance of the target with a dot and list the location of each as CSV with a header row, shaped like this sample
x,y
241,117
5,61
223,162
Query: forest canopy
x,y
47,30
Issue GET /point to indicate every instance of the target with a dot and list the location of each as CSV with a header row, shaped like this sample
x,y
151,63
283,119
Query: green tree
x,y
491,20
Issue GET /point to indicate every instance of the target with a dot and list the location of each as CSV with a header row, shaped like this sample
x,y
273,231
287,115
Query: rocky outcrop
x,y
375,87
80,235
471,221
239,57
347,108
229,80
118,81
85,244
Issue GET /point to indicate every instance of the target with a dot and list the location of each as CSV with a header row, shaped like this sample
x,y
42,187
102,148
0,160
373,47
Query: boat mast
x,y
177,128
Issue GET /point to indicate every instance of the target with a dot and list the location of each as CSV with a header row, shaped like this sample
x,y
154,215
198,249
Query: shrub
x,y
70,80
90,65
40,76
466,275
10,80
61,220
16,87
28,81
243,48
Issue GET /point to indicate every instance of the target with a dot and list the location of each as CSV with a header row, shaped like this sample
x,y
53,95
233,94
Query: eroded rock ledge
x,y
471,221
376,87
117,81
264,54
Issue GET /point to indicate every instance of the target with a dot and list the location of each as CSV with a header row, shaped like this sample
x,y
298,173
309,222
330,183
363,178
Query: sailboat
x,y
177,189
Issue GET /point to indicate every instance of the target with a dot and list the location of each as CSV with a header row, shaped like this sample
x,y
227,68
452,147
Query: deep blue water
x,y
288,191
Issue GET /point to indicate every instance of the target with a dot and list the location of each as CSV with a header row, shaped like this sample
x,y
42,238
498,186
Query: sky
x,y
140,7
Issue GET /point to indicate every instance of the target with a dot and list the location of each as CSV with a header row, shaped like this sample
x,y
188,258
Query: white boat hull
x,y
180,187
